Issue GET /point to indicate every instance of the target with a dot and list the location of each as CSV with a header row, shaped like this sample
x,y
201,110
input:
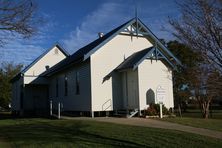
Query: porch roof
x,y
132,60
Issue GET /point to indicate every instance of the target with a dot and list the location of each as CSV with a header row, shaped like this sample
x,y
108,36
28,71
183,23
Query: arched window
x,y
150,97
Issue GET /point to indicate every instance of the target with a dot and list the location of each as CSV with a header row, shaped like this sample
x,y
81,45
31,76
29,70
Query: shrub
x,y
154,109
151,111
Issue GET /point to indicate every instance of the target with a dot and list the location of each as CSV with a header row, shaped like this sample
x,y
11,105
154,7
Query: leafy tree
x,y
17,16
189,59
7,72
206,83
195,78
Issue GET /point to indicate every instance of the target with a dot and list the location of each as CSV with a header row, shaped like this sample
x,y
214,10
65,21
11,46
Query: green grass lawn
x,y
213,124
196,113
80,133
193,117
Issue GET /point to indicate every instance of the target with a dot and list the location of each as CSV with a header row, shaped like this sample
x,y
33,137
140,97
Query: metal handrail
x,y
105,104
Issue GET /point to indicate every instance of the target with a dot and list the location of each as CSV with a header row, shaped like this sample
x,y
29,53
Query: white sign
x,y
160,94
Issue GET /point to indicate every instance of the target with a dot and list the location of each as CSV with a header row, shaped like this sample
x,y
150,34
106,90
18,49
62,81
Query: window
x,y
57,87
150,97
77,83
66,85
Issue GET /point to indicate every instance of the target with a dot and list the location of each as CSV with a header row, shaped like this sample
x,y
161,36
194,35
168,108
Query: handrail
x,y
109,100
133,113
107,108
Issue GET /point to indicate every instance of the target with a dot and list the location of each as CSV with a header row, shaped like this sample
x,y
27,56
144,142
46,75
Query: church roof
x,y
78,56
85,52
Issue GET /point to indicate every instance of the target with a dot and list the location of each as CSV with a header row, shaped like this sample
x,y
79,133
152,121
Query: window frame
x,y
57,87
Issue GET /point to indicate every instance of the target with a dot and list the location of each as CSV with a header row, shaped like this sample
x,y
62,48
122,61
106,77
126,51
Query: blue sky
x,y
74,23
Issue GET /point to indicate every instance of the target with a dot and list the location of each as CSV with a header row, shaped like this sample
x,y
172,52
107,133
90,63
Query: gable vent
x,y
56,51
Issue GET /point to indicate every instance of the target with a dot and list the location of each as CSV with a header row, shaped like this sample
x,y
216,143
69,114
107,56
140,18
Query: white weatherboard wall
x,y
106,59
31,76
50,59
73,101
151,75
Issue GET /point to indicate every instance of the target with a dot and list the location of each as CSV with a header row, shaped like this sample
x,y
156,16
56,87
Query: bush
x,y
151,111
154,109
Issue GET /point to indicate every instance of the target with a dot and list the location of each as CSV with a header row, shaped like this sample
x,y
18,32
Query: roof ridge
x,y
79,55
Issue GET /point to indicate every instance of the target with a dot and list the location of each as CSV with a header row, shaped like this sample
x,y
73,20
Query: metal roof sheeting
x,y
133,59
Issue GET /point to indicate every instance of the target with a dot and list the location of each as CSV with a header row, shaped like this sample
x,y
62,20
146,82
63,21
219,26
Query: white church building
x,y
126,69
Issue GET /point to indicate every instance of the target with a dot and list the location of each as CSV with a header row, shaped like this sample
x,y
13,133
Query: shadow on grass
x,y
9,115
6,115
30,133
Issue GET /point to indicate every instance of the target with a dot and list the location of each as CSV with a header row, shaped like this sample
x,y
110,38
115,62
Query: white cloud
x,y
106,17
111,14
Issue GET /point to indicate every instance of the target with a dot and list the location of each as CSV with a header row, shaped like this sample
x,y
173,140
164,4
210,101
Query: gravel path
x,y
156,124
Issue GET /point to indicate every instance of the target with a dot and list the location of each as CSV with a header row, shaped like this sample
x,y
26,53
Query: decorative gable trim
x,y
137,28
158,43
154,54
86,56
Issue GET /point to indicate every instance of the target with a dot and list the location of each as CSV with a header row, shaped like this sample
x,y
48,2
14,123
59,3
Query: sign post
x,y
161,94
161,111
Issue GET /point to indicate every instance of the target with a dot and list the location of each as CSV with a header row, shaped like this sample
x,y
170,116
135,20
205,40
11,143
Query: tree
x,y
7,72
195,78
200,28
205,83
189,60
17,16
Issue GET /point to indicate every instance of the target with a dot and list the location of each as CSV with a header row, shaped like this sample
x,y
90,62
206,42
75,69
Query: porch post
x,y
59,110
140,114
127,104
92,114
